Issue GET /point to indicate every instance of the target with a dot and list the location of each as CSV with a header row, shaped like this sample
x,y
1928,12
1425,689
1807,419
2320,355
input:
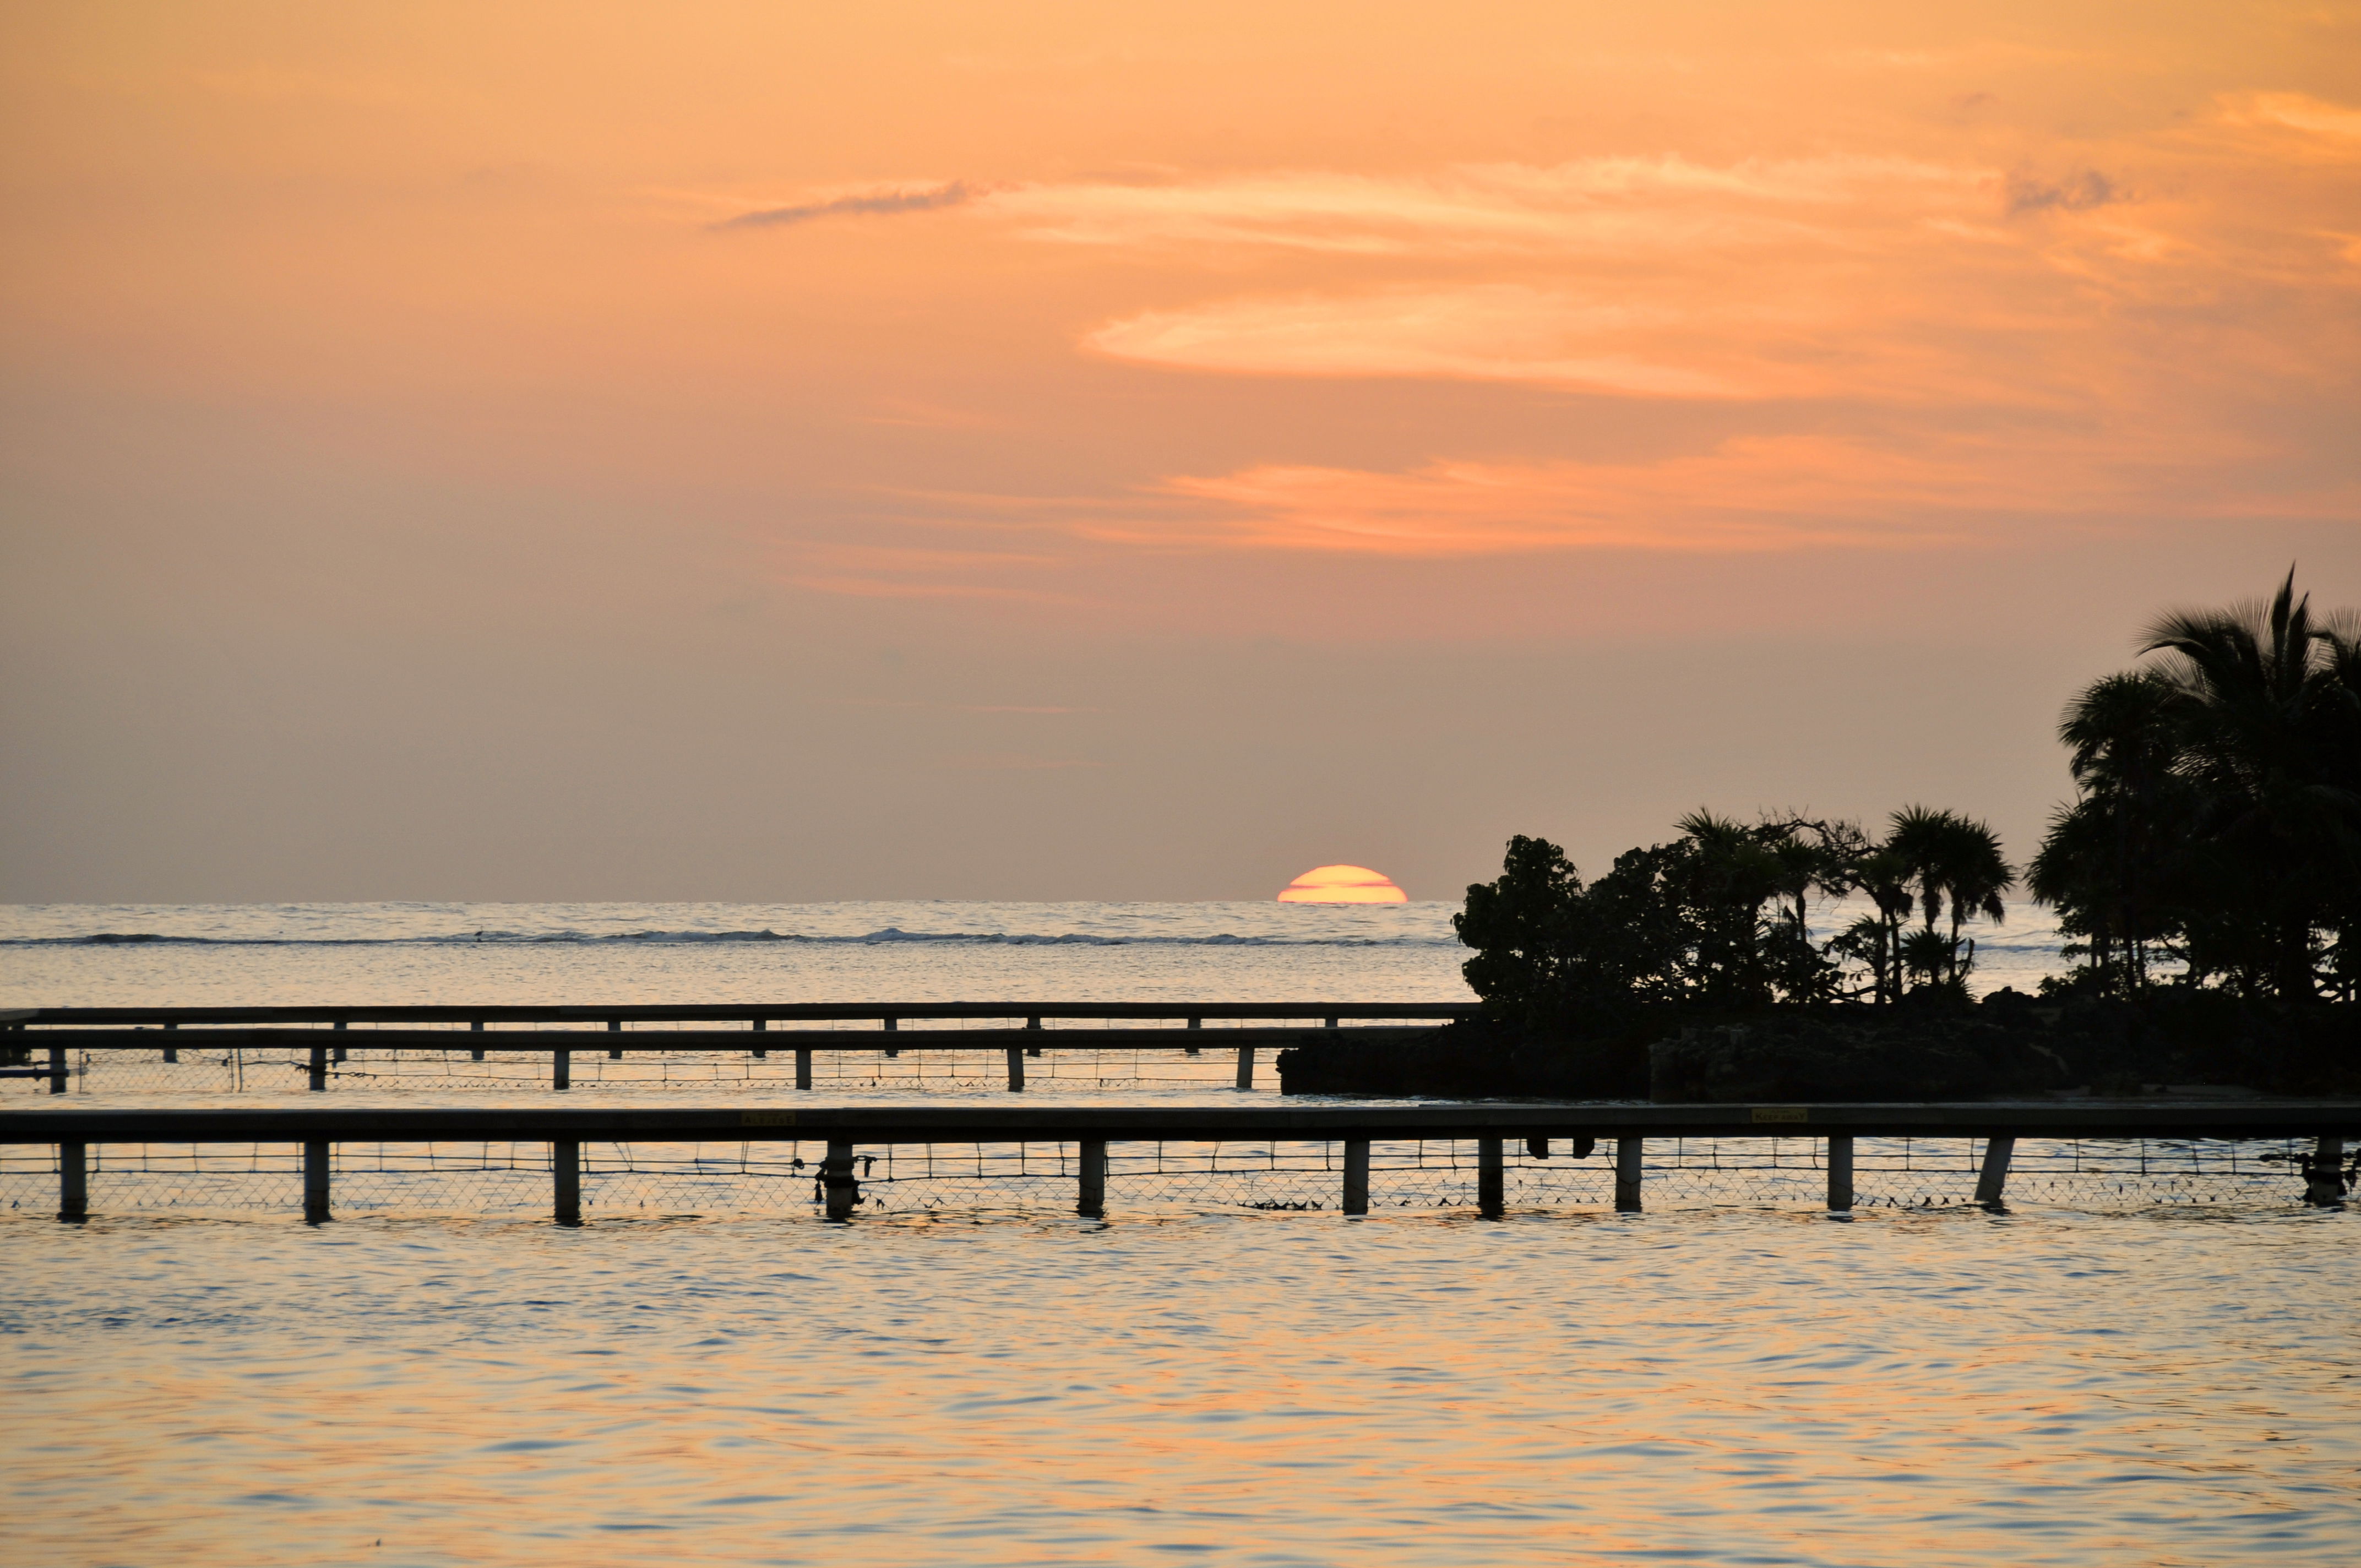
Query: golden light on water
x,y
1343,884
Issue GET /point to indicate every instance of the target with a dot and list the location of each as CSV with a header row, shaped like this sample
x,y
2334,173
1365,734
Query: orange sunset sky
x,y
1042,451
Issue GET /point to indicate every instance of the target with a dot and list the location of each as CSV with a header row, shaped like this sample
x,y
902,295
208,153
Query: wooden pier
x,y
846,1128
325,1033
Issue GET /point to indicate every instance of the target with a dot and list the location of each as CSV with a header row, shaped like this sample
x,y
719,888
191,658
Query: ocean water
x,y
1732,1379
62,955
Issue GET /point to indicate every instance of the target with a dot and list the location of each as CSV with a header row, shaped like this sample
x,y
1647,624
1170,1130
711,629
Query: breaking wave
x,y
890,934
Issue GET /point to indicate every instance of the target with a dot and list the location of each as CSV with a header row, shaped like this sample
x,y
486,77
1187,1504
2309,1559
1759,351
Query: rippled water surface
x,y
1710,1386
1202,1382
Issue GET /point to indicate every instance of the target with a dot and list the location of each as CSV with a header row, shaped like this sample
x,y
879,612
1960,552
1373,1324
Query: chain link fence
x,y
779,1177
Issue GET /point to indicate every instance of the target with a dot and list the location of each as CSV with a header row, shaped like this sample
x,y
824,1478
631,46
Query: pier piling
x,y
561,1069
1628,1153
2324,1173
1245,1066
803,1067
476,1028
1016,1069
74,1183
57,1070
758,1053
341,1052
1192,1050
841,1187
1032,1024
615,1026
1839,1175
171,1053
566,1182
1356,1176
315,1183
1491,1177
1993,1179
892,1025
317,1074
1090,1203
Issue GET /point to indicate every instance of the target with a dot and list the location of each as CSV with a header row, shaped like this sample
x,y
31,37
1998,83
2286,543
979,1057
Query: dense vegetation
x,y
2216,837
2211,860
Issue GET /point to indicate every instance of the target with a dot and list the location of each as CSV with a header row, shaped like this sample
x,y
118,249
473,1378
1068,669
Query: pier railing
x,y
429,1045
1351,1158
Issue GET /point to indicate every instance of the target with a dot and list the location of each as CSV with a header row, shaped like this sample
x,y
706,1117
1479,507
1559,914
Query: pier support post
x,y
315,1184
342,1054
1993,1179
758,1053
803,1067
561,1069
318,1075
892,1025
566,1182
1628,1152
171,1053
614,1027
1356,1176
1537,1148
58,1069
1491,1178
1091,1203
74,1183
1032,1024
1016,1069
476,1029
1840,1174
1194,1023
2324,1173
841,1187
1245,1066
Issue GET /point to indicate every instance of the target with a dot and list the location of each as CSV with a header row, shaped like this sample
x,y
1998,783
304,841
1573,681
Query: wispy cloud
x,y
957,193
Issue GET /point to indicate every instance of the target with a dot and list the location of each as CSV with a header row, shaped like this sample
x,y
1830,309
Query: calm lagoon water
x,y
1724,1386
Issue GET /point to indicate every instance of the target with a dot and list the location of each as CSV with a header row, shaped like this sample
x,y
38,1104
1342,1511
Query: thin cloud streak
x,y
957,193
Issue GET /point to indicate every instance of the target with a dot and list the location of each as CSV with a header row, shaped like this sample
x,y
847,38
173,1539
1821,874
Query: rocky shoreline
x,y
2009,1046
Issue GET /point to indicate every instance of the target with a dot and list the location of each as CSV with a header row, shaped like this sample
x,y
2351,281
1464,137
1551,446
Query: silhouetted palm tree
x,y
2259,697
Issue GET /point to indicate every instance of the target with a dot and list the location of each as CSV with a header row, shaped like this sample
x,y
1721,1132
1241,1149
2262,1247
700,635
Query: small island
x,y
2207,874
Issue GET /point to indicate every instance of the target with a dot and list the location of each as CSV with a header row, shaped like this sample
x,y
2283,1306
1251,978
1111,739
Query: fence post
x,y
315,1183
1194,1023
565,1173
892,1025
1356,1176
803,1067
1332,1023
319,1071
1993,1177
1628,1152
1840,1173
1016,1069
1491,1178
74,1183
171,1053
342,1052
1032,1024
759,1052
57,1070
561,1069
837,1182
1245,1066
476,1029
1537,1148
1091,1204
2324,1173
615,1026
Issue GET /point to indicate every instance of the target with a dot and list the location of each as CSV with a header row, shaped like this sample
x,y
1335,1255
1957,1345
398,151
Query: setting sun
x,y
1343,884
